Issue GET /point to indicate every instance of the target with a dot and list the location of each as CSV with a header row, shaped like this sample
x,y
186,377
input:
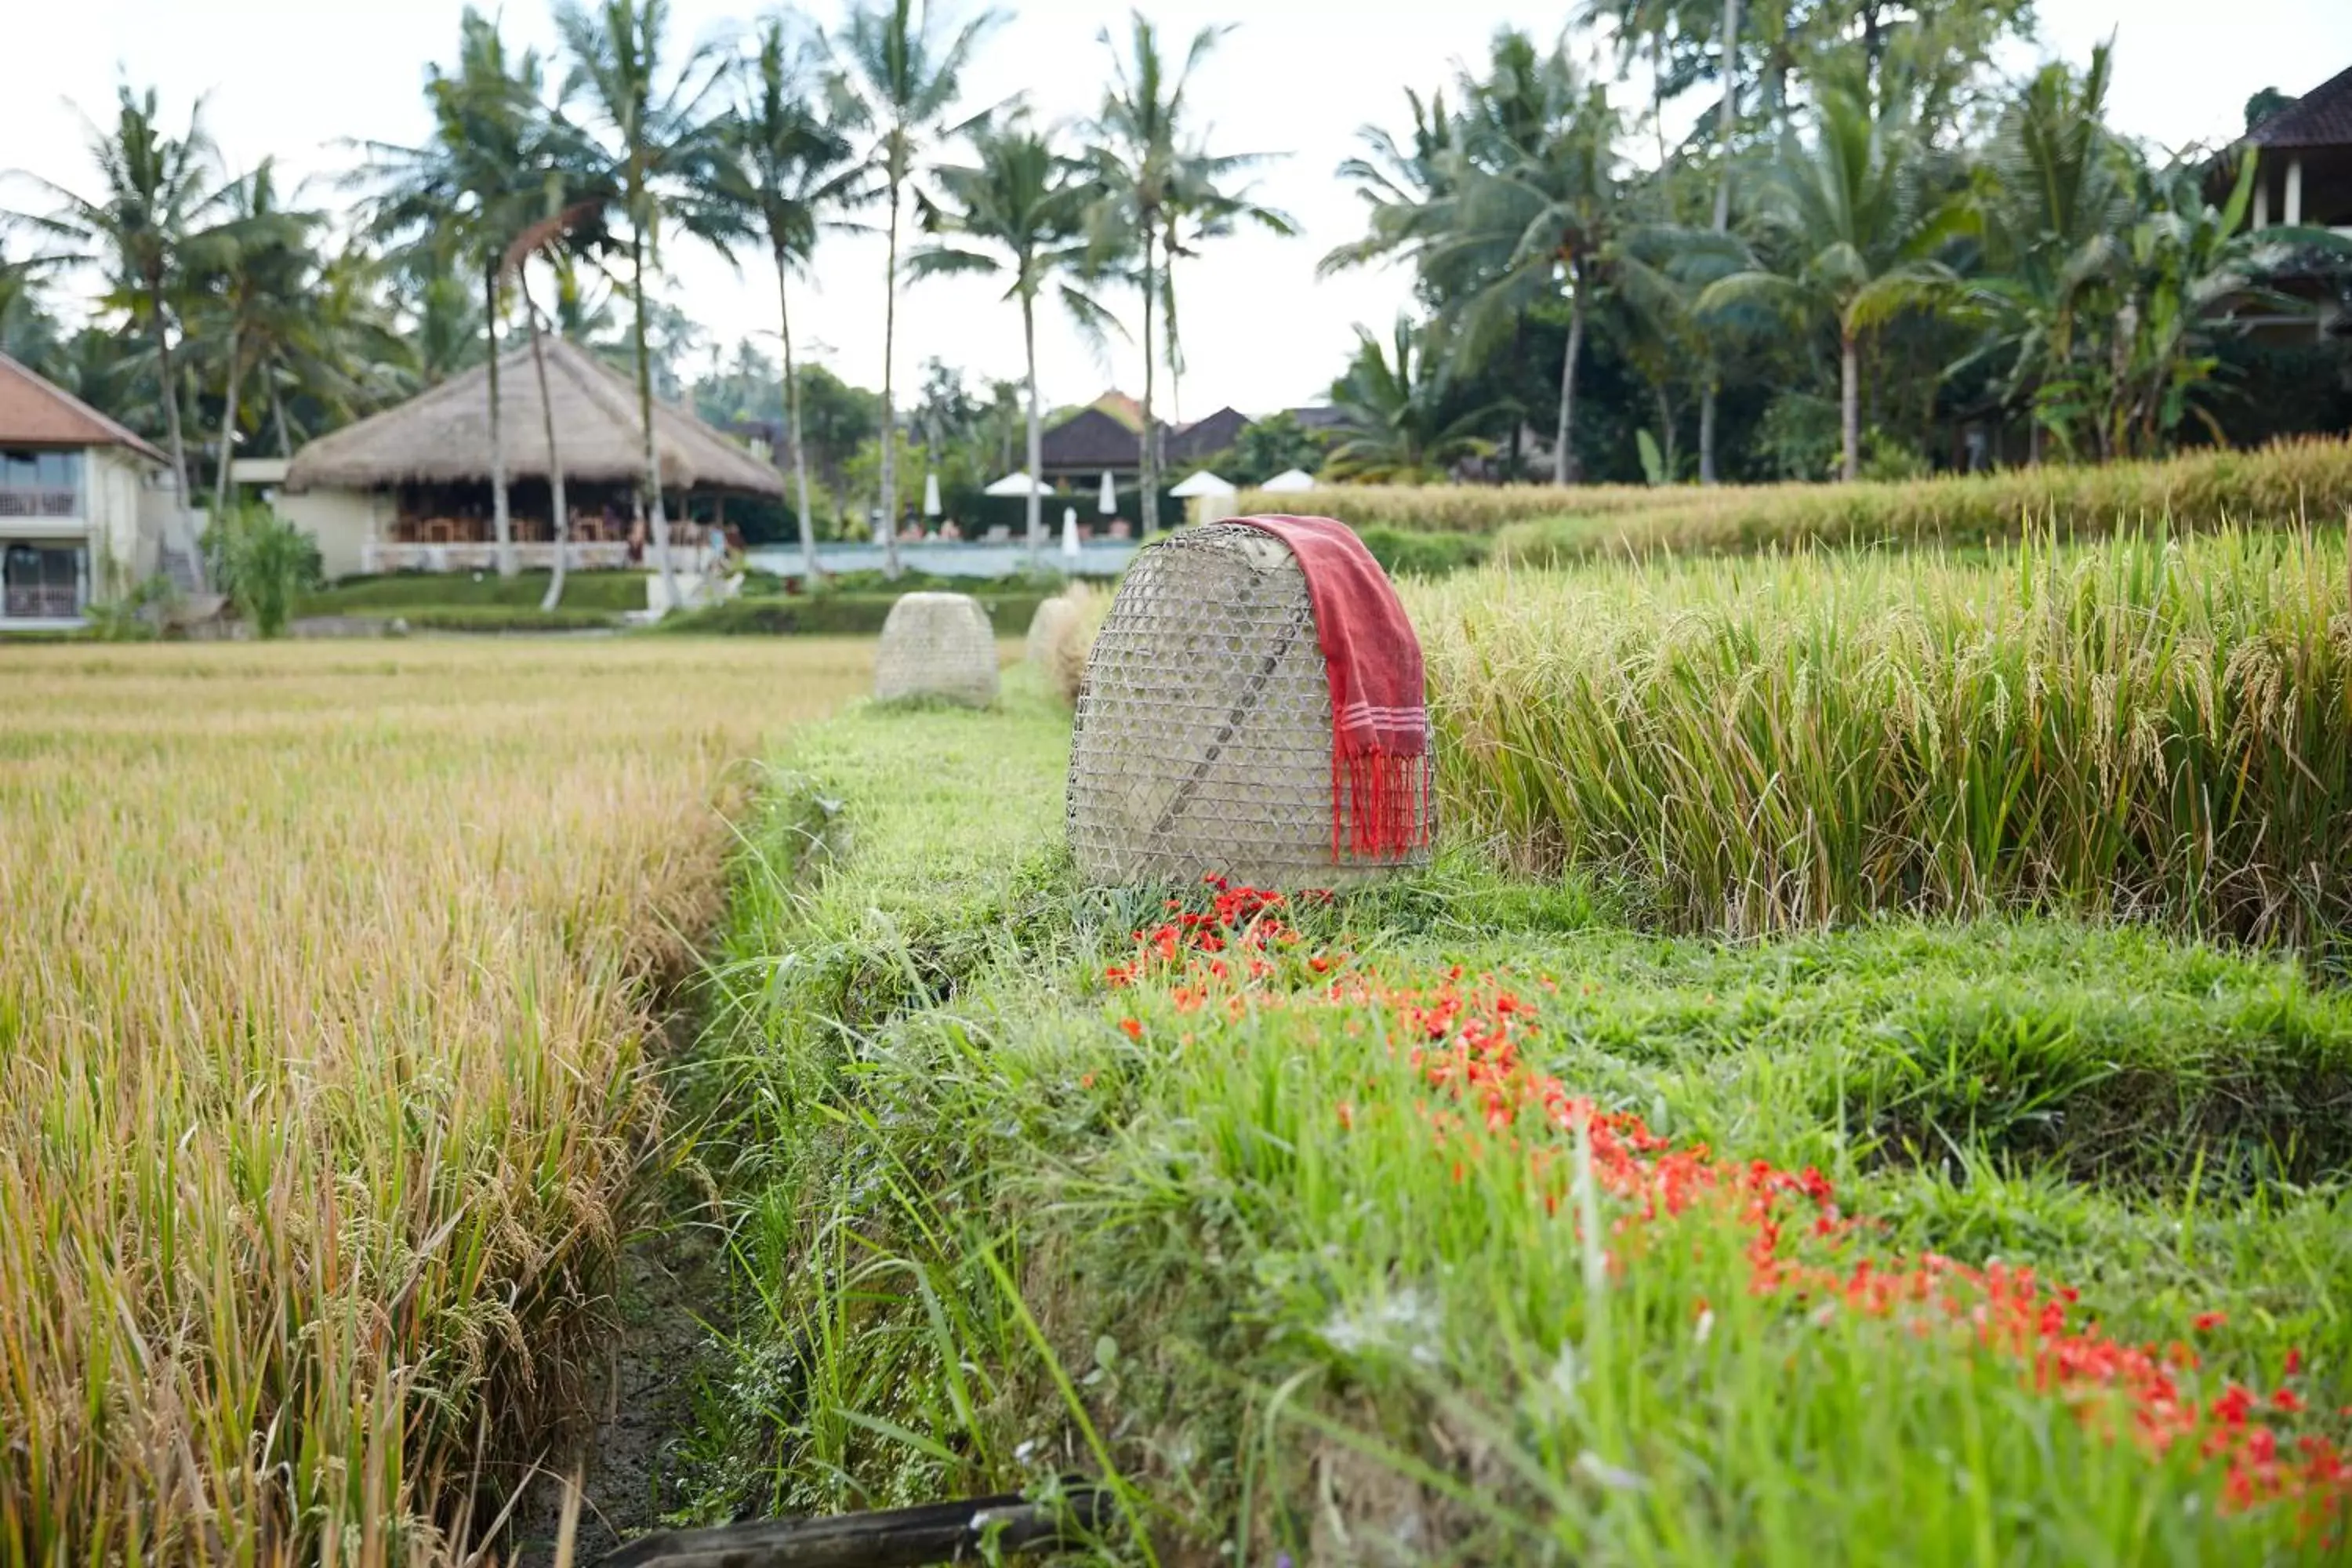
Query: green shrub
x,y
503,618
263,562
2132,727
830,614
1410,554
399,592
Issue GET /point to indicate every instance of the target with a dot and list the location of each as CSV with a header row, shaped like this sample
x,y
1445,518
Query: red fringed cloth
x,y
1380,711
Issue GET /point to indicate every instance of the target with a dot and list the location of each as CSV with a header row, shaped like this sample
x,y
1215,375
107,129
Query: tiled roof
x,y
1204,437
2320,118
38,412
1090,438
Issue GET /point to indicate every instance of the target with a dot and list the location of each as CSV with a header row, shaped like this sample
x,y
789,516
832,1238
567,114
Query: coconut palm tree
x,y
1846,213
1395,401
1205,205
558,237
2052,203
905,62
664,159
28,333
1532,210
258,270
1138,138
1019,212
794,169
155,190
468,191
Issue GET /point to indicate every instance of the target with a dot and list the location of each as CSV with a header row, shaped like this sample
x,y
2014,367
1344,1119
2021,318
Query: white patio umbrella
x,y
1204,483
1015,484
930,495
1289,480
1107,503
1070,531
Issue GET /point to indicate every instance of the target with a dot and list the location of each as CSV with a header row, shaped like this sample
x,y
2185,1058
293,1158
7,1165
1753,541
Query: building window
x,y
42,581
39,484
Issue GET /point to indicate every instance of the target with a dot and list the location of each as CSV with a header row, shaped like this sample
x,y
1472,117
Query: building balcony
x,y
38,500
578,555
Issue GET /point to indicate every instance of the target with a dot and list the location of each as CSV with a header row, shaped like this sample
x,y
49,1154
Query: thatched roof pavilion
x,y
409,488
442,435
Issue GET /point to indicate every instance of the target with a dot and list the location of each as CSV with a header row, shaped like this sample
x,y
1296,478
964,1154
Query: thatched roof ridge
x,y
442,435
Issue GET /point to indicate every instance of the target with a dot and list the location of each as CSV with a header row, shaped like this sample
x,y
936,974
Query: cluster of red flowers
x,y
1468,1040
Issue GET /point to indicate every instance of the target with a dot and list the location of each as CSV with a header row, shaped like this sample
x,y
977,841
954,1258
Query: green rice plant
x,y
2292,481
328,976
2140,727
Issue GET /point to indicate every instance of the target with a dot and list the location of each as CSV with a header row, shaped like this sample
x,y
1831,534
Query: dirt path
x,y
673,1286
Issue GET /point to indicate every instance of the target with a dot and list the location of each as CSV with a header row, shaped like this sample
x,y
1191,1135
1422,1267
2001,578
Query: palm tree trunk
x,y
228,427
651,486
1149,468
889,407
1706,396
501,520
179,446
1665,428
1037,435
1727,125
277,417
1850,405
1563,458
559,508
792,424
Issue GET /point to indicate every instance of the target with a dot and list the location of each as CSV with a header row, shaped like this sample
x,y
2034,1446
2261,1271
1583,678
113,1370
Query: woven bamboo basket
x,y
1202,741
936,645
1053,620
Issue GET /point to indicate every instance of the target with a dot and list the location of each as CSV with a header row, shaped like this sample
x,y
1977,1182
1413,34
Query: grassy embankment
x,y
1327,1255
854,606
463,602
2296,482
326,980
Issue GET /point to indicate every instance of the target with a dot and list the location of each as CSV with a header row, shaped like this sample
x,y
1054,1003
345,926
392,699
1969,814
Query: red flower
x,y
1134,1028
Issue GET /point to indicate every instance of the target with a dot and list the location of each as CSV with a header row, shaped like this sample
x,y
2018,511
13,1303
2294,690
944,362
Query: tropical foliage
x,y
1845,265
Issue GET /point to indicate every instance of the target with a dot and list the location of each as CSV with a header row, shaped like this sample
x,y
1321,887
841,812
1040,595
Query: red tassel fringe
x,y
1378,809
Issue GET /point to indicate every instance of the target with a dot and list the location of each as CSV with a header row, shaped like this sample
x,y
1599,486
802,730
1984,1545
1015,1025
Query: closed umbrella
x,y
1070,531
1107,503
930,495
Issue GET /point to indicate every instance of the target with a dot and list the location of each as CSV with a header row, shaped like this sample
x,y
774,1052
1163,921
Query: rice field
x,y
2293,482
327,979
2134,727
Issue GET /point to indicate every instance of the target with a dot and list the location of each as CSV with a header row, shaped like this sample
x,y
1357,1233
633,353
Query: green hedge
x,y
1408,554
505,618
400,592
831,614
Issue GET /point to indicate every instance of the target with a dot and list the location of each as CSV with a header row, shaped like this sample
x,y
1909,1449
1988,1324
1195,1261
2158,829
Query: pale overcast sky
x,y
295,77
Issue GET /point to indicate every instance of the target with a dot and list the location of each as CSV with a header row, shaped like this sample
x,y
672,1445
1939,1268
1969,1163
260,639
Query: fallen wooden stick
x,y
897,1538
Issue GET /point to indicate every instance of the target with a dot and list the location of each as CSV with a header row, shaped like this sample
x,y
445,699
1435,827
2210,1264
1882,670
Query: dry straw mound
x,y
1050,627
1202,742
1063,633
937,646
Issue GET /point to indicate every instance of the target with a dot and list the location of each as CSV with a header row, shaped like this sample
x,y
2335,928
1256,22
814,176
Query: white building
x,y
84,504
